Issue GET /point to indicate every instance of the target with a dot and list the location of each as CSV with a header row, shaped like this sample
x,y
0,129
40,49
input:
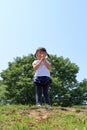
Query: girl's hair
x,y
41,49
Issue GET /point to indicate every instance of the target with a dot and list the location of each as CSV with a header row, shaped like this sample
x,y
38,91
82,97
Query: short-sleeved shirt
x,y
42,70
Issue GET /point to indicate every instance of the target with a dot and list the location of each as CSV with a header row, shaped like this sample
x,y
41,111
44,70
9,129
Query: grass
x,y
19,117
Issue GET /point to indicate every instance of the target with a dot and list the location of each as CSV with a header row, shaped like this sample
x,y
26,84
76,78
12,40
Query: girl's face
x,y
41,54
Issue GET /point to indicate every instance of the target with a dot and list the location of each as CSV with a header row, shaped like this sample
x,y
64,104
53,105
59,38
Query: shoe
x,y
48,106
38,105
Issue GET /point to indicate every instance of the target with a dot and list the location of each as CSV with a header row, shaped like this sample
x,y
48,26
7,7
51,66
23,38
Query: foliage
x,y
64,90
79,94
18,78
2,92
64,80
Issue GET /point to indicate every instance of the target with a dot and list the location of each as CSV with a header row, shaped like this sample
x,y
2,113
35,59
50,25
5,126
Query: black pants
x,y
42,89
42,86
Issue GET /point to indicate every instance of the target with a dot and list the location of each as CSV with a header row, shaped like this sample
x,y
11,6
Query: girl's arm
x,y
47,64
36,66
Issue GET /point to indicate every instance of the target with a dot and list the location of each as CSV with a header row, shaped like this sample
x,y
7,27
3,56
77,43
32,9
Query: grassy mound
x,y
19,117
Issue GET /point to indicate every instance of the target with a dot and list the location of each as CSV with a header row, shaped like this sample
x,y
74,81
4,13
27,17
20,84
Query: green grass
x,y
19,117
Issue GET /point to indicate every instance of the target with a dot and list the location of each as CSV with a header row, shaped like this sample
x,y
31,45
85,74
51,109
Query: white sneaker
x,y
48,106
38,105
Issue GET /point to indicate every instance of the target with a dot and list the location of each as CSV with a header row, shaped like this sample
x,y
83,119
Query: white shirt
x,y
42,70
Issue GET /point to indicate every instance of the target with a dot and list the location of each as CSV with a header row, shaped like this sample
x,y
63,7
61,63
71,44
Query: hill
x,y
19,117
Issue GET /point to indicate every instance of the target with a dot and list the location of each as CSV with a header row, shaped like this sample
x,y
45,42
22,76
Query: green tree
x,y
64,90
18,78
64,80
79,93
2,92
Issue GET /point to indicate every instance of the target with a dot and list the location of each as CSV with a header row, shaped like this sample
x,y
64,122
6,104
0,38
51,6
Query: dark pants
x,y
42,90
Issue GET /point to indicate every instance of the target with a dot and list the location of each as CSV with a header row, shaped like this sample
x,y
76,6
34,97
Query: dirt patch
x,y
43,113
39,113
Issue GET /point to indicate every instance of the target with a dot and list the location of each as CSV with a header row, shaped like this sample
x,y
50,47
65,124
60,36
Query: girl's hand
x,y
42,57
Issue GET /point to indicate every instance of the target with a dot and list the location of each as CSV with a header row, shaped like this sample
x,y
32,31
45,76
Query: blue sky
x,y
58,25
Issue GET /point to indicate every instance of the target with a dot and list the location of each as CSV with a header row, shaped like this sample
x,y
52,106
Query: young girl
x,y
42,75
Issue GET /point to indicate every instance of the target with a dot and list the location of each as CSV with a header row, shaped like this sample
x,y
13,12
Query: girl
x,y
42,75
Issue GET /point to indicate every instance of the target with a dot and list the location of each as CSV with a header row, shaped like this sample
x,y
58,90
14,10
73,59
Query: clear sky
x,y
58,25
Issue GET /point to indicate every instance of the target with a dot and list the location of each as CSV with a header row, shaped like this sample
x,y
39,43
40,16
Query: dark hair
x,y
41,49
